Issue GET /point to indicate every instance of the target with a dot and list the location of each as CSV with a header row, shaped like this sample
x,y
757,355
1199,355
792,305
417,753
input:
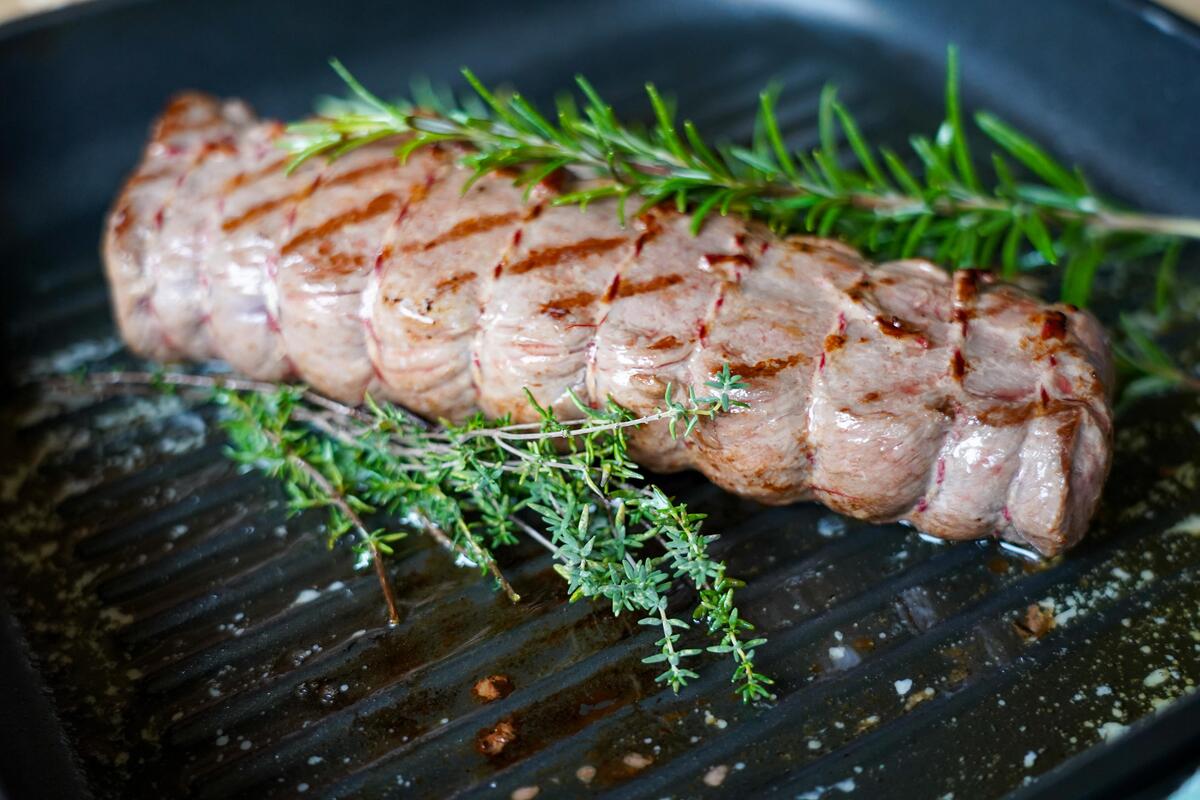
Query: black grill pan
x,y
168,632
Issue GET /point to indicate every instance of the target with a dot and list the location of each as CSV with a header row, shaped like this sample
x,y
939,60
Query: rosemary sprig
x,y
568,485
868,196
1151,370
936,203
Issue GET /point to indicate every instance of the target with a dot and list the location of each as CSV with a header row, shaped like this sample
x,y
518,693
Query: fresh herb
x,y
869,197
567,484
1150,369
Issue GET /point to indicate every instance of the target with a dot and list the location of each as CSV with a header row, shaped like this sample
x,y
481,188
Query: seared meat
x,y
891,391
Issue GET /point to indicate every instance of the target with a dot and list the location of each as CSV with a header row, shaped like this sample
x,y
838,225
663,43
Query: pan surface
x,y
169,632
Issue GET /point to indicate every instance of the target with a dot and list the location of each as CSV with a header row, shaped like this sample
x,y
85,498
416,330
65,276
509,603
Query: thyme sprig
x,y
870,196
567,484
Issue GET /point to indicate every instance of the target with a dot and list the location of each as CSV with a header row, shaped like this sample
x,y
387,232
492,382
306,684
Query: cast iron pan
x,y
156,648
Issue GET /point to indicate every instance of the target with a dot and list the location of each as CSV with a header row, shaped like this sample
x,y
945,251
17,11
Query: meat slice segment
x,y
257,216
540,309
651,324
138,237
181,298
330,259
764,325
876,420
425,313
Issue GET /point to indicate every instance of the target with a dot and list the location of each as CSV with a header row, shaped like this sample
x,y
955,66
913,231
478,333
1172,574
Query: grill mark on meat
x,y
966,286
652,229
174,123
901,329
549,256
147,177
452,284
965,297
1054,325
665,343
717,259
1067,431
245,178
382,204
122,220
958,365
1003,415
562,306
225,146
341,263
366,170
834,341
963,318
737,263
610,293
179,103
266,207
857,292
654,284
465,228
768,367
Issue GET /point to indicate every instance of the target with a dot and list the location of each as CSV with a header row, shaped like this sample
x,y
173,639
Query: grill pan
x,y
168,632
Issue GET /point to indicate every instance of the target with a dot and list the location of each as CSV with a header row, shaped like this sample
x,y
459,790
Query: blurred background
x,y
11,9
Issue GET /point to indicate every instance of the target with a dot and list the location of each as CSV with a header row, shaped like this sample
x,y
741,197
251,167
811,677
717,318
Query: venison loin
x,y
892,391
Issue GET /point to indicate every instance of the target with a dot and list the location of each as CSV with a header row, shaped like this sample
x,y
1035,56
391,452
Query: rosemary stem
x,y
1132,222
663,162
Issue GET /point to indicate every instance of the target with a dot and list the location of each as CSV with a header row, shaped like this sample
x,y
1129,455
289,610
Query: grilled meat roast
x,y
887,392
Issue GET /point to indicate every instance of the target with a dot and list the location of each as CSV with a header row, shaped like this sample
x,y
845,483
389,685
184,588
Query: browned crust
x,y
467,227
379,205
549,256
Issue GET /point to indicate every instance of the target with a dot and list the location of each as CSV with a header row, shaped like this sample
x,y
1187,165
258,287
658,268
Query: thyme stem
x,y
335,497
479,555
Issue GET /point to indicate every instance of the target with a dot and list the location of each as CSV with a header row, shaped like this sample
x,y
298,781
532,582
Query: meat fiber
x,y
887,392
